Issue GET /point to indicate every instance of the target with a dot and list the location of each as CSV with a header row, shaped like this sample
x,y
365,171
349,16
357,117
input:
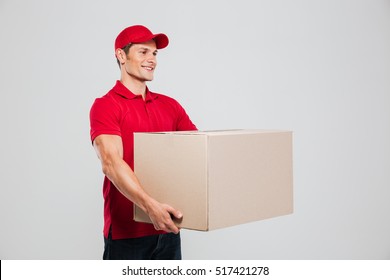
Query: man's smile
x,y
149,68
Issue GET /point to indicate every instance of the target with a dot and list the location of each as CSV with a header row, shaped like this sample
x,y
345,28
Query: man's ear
x,y
120,55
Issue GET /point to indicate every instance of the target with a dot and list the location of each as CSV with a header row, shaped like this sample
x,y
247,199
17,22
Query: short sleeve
x,y
184,122
104,118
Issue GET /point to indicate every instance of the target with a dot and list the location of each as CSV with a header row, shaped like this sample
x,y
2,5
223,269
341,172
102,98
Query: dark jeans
x,y
155,247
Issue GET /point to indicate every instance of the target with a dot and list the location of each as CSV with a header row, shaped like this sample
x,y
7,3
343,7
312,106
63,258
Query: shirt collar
x,y
120,89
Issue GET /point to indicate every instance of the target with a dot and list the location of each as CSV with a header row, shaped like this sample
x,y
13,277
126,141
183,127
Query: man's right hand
x,y
161,216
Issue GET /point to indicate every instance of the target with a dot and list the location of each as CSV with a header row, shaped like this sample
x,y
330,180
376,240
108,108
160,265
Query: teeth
x,y
148,68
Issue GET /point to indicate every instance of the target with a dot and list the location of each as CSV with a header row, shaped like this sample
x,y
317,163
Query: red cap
x,y
140,34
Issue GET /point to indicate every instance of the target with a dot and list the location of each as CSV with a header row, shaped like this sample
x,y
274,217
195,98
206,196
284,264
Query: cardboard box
x,y
217,179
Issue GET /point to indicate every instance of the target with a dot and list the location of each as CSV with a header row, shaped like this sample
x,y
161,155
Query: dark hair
x,y
126,50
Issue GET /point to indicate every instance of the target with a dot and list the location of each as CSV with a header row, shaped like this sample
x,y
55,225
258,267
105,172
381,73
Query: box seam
x,y
208,181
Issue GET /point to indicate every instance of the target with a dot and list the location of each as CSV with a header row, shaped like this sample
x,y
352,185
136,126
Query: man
x,y
127,108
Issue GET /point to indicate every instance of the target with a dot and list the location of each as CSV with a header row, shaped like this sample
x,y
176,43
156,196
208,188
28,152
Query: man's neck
x,y
135,86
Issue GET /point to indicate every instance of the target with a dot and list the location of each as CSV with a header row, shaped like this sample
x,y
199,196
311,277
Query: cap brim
x,y
161,40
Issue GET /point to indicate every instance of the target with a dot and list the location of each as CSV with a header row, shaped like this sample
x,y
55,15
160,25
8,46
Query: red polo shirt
x,y
120,112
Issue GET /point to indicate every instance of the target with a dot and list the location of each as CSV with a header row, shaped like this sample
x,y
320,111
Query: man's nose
x,y
152,58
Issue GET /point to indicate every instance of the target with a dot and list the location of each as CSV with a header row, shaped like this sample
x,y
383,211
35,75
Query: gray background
x,y
319,68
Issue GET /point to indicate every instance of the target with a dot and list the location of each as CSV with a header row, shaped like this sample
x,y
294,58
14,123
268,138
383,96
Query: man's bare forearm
x,y
110,153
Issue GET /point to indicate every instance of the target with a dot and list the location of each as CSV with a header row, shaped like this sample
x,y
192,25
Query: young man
x,y
127,108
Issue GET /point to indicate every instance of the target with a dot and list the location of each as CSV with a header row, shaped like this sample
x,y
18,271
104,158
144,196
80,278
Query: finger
x,y
178,214
156,227
170,226
174,229
175,213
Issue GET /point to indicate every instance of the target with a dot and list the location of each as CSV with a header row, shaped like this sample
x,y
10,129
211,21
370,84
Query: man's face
x,y
141,61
